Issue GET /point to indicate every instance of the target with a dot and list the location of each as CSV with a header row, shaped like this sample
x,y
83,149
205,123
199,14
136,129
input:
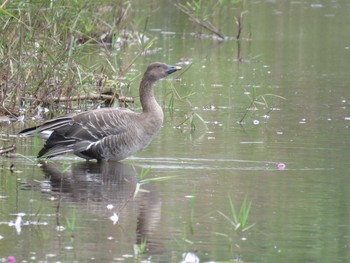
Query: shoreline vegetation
x,y
47,48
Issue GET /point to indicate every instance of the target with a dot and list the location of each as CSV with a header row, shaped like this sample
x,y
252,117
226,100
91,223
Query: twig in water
x,y
92,96
205,24
4,150
239,24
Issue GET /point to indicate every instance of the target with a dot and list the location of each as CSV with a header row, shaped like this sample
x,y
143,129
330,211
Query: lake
x,y
258,125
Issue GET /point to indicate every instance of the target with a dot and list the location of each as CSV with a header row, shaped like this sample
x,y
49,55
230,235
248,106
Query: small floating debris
x,y
209,107
281,166
256,122
114,218
18,223
11,259
189,257
60,228
302,121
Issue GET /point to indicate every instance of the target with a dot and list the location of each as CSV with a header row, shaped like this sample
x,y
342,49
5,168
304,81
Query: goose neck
x,y
147,99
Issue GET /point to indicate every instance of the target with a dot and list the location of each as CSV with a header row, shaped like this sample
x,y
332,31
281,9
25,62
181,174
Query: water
x,y
297,50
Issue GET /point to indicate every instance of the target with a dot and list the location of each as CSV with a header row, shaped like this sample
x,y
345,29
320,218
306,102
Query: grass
x,y
190,223
238,219
140,249
47,46
259,100
71,221
143,180
191,117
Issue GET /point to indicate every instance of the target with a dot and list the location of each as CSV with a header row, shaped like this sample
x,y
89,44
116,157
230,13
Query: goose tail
x,y
46,129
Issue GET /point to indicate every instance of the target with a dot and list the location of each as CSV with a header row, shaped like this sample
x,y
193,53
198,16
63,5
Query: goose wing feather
x,y
77,133
97,124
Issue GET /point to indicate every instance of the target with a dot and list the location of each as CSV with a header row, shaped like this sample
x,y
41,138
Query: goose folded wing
x,y
80,131
97,124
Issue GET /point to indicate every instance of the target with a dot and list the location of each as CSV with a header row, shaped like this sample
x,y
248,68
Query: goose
x,y
106,134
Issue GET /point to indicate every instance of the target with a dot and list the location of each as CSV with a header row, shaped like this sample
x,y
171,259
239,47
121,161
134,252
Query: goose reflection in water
x,y
108,189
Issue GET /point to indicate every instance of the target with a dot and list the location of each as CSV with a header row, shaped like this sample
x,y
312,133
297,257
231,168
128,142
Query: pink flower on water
x,y
11,259
281,166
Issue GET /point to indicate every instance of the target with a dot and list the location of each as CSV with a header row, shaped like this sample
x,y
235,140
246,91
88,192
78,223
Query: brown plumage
x,y
107,133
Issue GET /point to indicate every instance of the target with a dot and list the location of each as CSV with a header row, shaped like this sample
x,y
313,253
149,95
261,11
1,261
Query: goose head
x,y
157,70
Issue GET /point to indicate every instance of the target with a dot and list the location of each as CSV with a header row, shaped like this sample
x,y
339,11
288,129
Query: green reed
x,y
238,219
260,101
143,180
140,249
46,49
71,220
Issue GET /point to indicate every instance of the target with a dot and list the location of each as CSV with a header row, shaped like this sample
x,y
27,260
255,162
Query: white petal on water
x,y
60,228
189,257
114,218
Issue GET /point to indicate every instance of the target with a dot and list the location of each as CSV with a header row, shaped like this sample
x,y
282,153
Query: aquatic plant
x,y
143,180
258,101
188,227
71,220
140,249
238,219
191,116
